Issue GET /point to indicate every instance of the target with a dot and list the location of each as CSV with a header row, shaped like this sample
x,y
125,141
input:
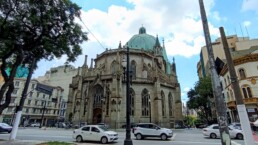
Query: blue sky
x,y
177,22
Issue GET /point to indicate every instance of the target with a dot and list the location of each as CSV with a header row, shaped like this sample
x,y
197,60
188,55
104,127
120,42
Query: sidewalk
x,y
20,142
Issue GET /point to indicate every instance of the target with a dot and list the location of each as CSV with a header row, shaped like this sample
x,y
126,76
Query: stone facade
x,y
98,93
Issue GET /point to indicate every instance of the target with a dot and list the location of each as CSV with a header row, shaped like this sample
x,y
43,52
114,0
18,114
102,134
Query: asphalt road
x,y
181,137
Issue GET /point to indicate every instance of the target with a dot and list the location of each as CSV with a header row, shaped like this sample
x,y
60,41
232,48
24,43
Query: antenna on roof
x,y
242,31
246,31
236,31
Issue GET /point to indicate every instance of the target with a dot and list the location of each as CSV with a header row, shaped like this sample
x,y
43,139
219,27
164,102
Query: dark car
x,y
201,126
104,125
5,128
131,126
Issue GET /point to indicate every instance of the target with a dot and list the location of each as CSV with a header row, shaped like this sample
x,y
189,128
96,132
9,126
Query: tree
x,y
199,99
40,29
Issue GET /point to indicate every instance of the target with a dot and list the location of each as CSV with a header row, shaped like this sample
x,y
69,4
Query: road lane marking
x,y
173,138
235,143
205,143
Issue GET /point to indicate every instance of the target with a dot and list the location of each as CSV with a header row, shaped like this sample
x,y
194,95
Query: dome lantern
x,y
142,30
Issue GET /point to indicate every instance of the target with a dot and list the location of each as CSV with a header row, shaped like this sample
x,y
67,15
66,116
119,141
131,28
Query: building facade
x,y
98,93
246,67
240,48
40,105
60,76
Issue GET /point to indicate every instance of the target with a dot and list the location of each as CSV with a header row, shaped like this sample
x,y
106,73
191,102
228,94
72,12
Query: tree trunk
x,y
8,85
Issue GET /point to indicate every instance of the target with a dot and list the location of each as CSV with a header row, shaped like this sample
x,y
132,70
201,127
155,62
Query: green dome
x,y
142,41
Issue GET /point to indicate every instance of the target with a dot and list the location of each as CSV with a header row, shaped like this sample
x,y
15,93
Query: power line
x,y
92,34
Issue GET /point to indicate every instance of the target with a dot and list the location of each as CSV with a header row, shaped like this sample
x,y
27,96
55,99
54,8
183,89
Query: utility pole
x,y
23,97
42,116
217,90
245,125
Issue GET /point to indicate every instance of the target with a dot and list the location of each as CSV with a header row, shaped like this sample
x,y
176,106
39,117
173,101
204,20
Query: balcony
x,y
251,101
231,105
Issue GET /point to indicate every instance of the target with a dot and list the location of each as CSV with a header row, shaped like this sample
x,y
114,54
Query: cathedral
x,y
97,94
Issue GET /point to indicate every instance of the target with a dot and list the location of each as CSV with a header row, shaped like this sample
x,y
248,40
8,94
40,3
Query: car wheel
x,y
104,140
138,136
163,137
213,135
240,136
79,138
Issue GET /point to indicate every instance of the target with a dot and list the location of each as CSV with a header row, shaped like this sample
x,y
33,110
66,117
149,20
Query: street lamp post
x,y
128,140
149,105
42,116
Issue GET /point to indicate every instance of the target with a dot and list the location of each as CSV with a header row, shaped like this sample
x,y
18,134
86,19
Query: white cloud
x,y
246,23
250,5
186,89
178,22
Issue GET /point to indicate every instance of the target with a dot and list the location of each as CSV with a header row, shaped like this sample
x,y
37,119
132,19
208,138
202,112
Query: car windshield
x,y
103,127
4,124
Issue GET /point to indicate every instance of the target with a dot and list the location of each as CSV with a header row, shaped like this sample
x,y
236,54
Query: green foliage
x,y
199,99
190,120
40,29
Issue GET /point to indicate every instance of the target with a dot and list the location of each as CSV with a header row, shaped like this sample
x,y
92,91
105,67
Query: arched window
x,y
163,103
132,94
170,104
232,95
242,73
98,95
113,67
228,79
108,92
133,69
247,92
145,103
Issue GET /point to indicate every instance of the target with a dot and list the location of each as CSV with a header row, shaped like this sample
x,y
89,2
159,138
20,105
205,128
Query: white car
x,y
212,131
256,123
35,125
235,125
142,130
94,133
5,128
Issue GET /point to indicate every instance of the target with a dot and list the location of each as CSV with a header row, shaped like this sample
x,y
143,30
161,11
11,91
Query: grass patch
x,y
55,143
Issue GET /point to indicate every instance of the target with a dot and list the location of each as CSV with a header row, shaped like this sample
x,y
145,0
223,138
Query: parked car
x,y
235,125
142,130
5,128
201,125
131,125
34,125
60,125
94,133
104,125
256,123
212,131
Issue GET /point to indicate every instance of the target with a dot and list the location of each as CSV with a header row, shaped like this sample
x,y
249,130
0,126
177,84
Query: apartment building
x,y
43,103
60,76
243,51
246,67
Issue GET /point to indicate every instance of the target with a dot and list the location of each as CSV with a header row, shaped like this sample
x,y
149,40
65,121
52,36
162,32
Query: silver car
x,y
212,131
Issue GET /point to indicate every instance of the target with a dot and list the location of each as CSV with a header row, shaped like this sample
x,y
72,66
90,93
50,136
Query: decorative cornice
x,y
239,61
